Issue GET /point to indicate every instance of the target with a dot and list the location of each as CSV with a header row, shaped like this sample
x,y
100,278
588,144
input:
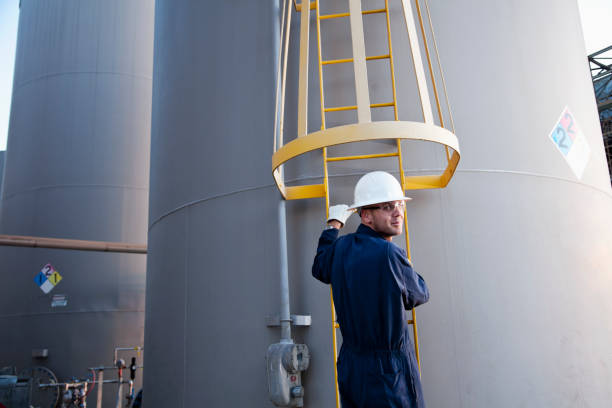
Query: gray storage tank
x,y
77,168
2,160
516,250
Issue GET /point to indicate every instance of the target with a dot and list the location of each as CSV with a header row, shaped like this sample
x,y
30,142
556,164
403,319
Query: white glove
x,y
340,213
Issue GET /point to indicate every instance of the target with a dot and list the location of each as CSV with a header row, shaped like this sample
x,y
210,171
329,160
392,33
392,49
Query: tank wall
x,y
79,128
514,249
505,48
520,271
2,160
212,269
77,167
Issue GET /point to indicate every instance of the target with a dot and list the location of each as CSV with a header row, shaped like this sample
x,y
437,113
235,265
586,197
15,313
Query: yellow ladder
x,y
364,129
355,6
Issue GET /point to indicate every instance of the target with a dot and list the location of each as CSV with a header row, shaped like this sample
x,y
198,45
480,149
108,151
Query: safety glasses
x,y
387,207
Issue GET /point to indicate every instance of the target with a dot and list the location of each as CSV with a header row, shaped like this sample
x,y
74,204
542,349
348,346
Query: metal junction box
x,y
285,363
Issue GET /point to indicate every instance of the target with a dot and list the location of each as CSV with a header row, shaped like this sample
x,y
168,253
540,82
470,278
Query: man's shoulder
x,y
397,253
393,248
372,243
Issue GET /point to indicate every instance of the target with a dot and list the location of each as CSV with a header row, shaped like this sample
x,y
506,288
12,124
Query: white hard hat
x,y
377,187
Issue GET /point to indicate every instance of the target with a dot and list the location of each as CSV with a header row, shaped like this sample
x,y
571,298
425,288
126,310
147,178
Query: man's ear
x,y
366,217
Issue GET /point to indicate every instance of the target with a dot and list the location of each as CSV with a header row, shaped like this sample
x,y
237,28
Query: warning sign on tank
x,y
571,142
47,278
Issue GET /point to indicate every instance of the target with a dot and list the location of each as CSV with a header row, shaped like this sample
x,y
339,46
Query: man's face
x,y
385,218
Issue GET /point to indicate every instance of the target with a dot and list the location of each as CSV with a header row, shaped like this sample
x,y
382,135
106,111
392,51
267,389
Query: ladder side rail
x,y
326,190
401,166
334,325
412,321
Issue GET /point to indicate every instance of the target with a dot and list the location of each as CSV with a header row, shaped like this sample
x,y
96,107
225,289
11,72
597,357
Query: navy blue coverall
x,y
372,284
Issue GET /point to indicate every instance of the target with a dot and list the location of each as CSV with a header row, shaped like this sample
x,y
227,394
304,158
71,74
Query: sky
x,y
596,25
9,14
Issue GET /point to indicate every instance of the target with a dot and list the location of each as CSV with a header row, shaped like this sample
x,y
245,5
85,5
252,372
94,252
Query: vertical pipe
x,y
120,388
285,316
100,384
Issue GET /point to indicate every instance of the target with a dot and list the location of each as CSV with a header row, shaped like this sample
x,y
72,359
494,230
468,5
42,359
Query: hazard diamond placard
x,y
570,141
47,278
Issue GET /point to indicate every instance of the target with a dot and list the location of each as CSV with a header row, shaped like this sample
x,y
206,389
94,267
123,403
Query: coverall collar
x,y
364,229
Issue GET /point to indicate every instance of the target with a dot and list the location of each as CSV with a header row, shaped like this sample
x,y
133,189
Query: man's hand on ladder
x,y
339,213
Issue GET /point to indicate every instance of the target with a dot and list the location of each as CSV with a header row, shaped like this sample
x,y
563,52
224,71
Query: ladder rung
x,y
382,105
343,60
353,107
338,15
336,61
326,16
341,108
410,321
377,57
363,156
375,11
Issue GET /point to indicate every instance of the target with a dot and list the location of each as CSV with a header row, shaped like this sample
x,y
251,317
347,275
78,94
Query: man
x,y
373,282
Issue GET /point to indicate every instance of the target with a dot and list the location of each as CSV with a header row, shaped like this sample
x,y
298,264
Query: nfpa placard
x,y
570,141
47,278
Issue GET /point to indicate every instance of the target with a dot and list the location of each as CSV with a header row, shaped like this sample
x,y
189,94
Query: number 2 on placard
x,y
561,136
47,270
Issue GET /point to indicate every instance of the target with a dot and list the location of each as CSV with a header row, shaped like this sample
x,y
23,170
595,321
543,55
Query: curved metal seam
x,y
194,202
8,196
41,77
525,173
16,315
201,200
421,171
